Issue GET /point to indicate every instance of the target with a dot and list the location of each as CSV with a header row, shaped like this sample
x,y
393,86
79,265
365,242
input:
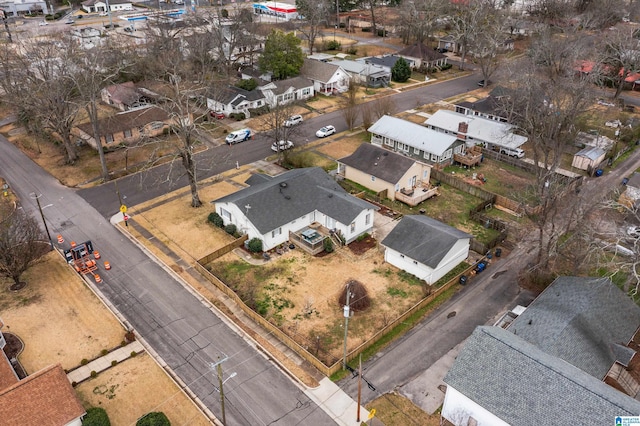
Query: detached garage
x,y
589,158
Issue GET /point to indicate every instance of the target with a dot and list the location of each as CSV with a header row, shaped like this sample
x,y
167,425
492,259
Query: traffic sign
x,y
372,413
123,209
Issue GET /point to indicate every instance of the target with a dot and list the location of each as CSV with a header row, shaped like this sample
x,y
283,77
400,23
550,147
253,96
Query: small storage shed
x,y
588,158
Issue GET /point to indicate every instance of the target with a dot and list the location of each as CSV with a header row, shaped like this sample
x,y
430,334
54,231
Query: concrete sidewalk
x,y
83,372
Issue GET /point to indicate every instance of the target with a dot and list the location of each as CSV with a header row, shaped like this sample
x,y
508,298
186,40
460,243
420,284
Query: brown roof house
x,y
127,126
424,57
45,398
127,96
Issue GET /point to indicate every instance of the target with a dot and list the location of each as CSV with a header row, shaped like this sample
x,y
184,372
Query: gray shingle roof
x,y
577,319
295,82
423,239
379,162
419,50
524,386
293,194
317,70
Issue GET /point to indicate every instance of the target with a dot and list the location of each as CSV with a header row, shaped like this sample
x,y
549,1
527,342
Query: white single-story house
x,y
414,140
370,75
568,358
282,92
425,247
283,208
384,171
386,61
17,7
588,158
423,57
234,100
96,6
327,78
475,130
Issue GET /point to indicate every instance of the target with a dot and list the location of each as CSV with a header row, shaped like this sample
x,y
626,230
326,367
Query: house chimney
x,y
463,128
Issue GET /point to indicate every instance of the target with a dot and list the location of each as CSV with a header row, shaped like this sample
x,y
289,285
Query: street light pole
x,y
46,228
221,383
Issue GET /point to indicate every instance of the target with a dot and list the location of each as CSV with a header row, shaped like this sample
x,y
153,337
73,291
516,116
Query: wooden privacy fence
x,y
461,185
223,250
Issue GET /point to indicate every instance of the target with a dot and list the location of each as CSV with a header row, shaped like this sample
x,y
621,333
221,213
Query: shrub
x,y
366,29
84,361
363,236
247,84
446,67
382,33
333,45
104,352
230,229
133,354
114,362
153,419
225,13
327,244
216,219
255,245
74,384
238,116
352,50
96,416
94,374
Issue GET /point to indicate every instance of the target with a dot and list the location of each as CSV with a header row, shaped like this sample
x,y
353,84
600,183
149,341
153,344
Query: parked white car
x,y
293,120
238,136
281,146
325,131
512,152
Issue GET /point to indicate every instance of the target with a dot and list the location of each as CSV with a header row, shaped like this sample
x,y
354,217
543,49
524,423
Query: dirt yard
x,y
60,320
393,409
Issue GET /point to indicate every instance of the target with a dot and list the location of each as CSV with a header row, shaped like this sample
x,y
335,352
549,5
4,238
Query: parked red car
x,y
217,114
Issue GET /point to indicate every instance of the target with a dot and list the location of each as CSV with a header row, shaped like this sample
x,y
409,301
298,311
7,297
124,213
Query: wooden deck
x,y
416,195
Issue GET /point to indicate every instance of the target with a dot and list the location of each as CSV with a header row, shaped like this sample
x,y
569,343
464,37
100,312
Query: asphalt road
x,y
160,180
186,334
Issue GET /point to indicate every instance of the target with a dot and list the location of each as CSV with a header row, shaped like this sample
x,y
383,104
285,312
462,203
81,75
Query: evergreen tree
x,y
401,71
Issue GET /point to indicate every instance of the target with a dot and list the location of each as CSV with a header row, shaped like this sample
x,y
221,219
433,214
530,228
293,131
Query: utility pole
x,y
46,228
224,419
347,313
359,387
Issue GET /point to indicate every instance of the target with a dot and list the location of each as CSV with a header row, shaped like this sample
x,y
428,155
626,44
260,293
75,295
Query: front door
x,y
412,182
330,223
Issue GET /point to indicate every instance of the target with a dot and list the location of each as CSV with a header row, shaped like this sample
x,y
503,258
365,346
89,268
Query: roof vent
x,y
287,197
283,184
330,195
385,153
375,164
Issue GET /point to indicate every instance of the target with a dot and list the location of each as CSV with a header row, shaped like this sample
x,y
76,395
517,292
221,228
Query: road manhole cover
x,y
451,314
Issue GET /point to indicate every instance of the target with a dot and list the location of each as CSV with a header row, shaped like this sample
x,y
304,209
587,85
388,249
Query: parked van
x,y
512,152
238,136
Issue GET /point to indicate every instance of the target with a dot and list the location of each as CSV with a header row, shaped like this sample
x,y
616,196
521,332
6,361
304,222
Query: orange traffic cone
x,y
60,239
97,278
96,254
107,265
73,243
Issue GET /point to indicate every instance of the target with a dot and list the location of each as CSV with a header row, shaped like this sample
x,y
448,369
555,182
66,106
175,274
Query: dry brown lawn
x,y
60,320
393,409
135,387
343,147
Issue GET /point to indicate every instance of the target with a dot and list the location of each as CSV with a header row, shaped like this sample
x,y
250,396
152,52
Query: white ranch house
x,y
97,6
414,140
475,130
327,78
302,205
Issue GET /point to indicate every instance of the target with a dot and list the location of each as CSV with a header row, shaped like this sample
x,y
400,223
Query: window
x,y
127,133
426,155
373,178
434,158
425,174
367,219
388,142
353,227
447,154
225,214
416,151
403,147
109,138
306,91
276,232
397,188
259,103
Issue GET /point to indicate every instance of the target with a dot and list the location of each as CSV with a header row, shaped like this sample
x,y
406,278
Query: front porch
x,y
311,238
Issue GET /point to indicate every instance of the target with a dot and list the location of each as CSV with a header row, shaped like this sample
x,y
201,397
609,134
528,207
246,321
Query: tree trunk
x,y
72,154
190,167
92,112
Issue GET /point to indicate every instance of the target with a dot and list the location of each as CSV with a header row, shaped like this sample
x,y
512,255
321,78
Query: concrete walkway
x,y
98,365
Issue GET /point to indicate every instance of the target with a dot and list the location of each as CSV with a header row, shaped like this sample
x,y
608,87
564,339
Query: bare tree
x,y
620,56
419,19
275,123
599,14
36,85
315,15
545,107
465,20
351,108
383,106
485,43
22,242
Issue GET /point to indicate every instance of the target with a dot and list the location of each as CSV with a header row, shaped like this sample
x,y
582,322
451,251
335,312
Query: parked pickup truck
x,y
238,136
